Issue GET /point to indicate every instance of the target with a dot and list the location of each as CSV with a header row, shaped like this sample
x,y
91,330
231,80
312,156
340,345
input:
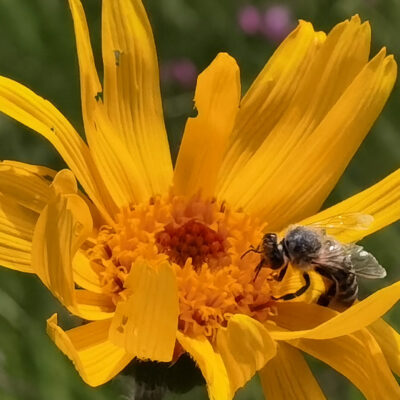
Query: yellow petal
x,y
93,306
64,183
211,365
120,173
90,83
245,347
389,341
26,188
364,352
269,96
296,316
60,230
88,347
287,376
29,186
291,185
382,201
145,324
24,191
359,358
84,275
16,231
332,144
113,160
44,172
354,318
294,280
132,92
22,104
217,102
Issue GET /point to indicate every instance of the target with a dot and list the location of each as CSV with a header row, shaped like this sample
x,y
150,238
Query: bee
x,y
311,248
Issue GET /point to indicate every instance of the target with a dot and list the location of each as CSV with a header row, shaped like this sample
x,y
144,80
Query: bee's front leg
x,y
282,273
252,249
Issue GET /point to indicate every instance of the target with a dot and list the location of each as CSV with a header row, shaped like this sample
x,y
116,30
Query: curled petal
x,y
211,365
62,227
26,184
245,347
95,357
359,358
16,231
20,103
358,316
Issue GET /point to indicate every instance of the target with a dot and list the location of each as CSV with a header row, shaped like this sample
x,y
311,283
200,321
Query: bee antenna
x,y
251,250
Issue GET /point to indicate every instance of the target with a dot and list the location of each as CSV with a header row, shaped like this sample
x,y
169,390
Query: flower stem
x,y
144,392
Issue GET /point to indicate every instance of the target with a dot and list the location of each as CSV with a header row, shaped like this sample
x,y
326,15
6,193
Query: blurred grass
x,y
37,49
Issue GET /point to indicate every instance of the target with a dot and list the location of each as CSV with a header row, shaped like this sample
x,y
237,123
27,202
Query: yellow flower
x,y
150,257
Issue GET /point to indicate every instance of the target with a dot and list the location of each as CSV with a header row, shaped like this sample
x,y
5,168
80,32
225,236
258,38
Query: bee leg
x,y
258,268
252,249
291,296
280,276
326,298
282,273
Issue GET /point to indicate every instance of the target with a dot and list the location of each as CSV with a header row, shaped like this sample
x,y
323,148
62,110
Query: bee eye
x,y
271,237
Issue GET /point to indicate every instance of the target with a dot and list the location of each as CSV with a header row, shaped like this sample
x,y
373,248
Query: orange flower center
x,y
193,240
204,242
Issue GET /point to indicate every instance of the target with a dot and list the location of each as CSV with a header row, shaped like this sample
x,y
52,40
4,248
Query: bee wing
x,y
348,221
364,263
332,257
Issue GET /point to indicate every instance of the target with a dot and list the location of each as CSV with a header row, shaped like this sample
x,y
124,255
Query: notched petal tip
x,y
305,28
205,138
391,67
355,19
222,65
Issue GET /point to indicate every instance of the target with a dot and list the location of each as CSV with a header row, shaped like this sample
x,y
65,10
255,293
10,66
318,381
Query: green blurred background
x,y
37,48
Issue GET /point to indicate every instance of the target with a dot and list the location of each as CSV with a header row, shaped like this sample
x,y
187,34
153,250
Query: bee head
x,y
270,240
272,251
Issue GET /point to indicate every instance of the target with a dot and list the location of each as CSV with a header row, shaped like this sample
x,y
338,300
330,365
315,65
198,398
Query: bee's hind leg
x,y
327,297
291,296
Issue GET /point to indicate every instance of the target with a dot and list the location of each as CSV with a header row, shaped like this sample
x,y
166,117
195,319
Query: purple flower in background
x,y
181,71
249,20
277,22
184,72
